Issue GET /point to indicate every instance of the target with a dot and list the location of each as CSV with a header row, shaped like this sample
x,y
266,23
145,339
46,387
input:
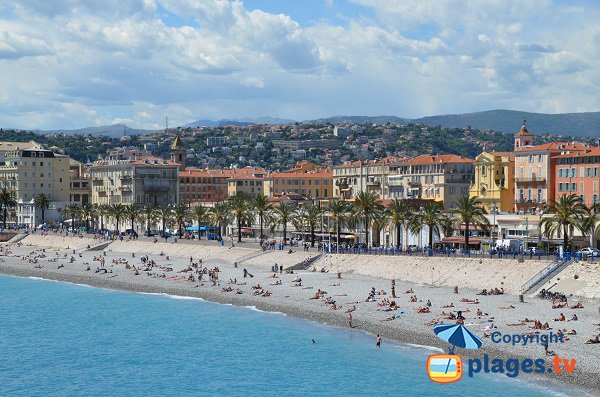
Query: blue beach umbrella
x,y
458,335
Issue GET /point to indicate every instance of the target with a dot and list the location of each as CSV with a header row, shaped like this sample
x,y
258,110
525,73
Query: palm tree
x,y
567,213
433,217
470,212
312,218
180,214
201,215
7,200
88,212
149,215
102,212
131,213
589,225
380,220
401,214
284,213
262,207
338,211
42,201
164,214
240,205
367,203
74,211
220,215
116,211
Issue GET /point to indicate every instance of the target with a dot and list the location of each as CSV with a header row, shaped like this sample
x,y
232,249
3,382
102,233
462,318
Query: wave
x,y
179,297
253,308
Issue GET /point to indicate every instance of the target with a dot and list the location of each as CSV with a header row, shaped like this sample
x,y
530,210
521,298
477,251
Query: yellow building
x,y
494,181
248,180
305,178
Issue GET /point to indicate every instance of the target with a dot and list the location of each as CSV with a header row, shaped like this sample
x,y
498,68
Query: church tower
x,y
523,138
178,152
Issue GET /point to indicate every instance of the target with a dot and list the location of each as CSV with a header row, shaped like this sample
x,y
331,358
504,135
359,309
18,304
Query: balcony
x,y
414,183
374,183
531,179
526,202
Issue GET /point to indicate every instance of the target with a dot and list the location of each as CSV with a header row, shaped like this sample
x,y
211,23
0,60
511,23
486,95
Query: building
x,y
147,181
178,152
494,181
305,178
80,184
197,185
442,178
364,176
27,170
217,141
306,144
535,176
578,173
248,180
342,132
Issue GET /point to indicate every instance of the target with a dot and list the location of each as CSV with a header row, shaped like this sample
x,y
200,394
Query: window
x,y
582,172
539,158
581,186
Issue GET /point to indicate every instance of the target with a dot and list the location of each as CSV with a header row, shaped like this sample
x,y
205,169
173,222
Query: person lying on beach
x,y
278,282
567,332
390,318
561,318
516,324
470,301
60,266
228,289
409,291
481,313
422,310
413,298
593,341
257,286
577,306
266,294
447,306
238,291
559,304
506,307
435,321
449,316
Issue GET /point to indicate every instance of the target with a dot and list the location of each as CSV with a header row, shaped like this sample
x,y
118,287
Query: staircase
x,y
544,275
305,264
251,255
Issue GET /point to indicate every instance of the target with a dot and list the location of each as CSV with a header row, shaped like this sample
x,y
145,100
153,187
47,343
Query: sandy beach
x,y
52,257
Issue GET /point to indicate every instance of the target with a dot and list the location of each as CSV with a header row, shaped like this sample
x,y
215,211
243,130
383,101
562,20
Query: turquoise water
x,y
61,339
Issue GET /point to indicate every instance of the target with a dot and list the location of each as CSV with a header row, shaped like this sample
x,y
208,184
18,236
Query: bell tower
x,y
523,138
178,152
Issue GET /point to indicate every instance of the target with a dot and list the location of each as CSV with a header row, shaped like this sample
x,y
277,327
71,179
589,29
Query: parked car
x,y
589,252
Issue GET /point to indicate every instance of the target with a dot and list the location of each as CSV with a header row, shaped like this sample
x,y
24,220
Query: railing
x,y
531,179
544,275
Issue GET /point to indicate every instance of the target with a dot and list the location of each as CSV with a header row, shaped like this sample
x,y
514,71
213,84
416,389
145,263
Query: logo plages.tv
x,y
448,368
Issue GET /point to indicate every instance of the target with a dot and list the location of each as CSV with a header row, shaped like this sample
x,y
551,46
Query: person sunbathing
x,y
413,298
447,306
578,305
545,326
410,291
506,307
574,317
390,318
257,286
561,318
423,310
593,341
466,300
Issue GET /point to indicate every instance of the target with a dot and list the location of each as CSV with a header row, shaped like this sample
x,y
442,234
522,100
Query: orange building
x,y
578,173
198,185
305,178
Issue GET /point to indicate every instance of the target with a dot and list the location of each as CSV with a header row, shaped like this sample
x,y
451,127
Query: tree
x,y
240,205
42,201
88,212
220,216
102,212
380,220
284,213
401,214
312,218
201,215
589,225
469,211
164,214
132,213
262,208
367,203
116,212
149,215
566,213
180,214
338,211
7,200
74,211
433,217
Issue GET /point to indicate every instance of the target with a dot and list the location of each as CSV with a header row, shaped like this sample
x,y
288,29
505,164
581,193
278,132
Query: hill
x,y
113,131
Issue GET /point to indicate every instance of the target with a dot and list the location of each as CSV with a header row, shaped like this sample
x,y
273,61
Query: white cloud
x,y
71,63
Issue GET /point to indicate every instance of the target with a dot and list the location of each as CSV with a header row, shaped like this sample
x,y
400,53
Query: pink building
x,y
579,173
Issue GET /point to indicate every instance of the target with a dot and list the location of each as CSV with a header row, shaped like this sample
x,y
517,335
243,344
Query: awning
x,y
246,230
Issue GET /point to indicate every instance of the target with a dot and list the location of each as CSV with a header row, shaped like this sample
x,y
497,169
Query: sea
x,y
60,339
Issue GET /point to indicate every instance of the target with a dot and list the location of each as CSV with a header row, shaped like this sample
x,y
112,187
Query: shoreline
x,y
586,381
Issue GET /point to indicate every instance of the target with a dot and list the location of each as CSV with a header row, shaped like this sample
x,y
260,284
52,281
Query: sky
x,y
77,63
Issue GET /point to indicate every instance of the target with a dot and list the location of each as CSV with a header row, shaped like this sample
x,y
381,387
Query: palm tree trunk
x,y
367,230
467,236
261,225
430,236
239,225
5,209
312,236
337,232
42,215
565,236
398,235
284,233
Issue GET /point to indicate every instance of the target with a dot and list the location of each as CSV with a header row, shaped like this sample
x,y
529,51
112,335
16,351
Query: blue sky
x,y
75,63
